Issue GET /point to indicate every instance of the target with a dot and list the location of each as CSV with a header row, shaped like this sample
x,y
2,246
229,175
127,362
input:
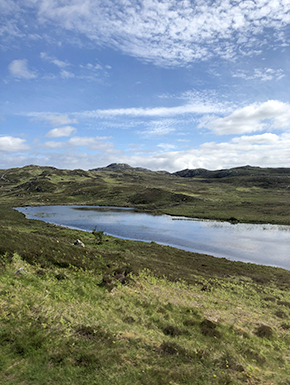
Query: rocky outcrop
x,y
187,173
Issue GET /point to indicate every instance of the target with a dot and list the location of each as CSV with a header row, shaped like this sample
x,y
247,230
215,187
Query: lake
x,y
263,244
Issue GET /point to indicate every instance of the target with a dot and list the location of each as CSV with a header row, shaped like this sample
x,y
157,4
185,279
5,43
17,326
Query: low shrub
x,y
264,331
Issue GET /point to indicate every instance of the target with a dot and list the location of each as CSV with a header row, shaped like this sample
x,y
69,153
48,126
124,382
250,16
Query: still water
x,y
262,244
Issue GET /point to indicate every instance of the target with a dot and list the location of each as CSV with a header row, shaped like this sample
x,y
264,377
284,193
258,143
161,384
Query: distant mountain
x,y
124,167
244,171
119,167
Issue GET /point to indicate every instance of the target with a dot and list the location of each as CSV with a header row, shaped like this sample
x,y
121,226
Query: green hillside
x,y
247,194
125,312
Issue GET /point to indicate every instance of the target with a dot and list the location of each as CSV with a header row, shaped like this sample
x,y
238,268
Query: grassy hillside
x,y
247,194
125,312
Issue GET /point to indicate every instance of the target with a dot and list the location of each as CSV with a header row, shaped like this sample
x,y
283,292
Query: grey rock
x,y
79,243
20,271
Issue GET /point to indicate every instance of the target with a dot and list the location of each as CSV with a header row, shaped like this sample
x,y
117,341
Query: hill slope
x,y
247,194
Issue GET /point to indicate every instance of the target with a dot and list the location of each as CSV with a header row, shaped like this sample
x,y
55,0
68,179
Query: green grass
x,y
126,312
70,330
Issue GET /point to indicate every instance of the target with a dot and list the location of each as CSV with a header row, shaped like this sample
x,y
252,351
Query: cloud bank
x,y
268,149
270,115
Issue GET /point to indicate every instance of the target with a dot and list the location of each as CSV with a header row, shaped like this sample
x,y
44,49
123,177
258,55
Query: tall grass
x,y
58,325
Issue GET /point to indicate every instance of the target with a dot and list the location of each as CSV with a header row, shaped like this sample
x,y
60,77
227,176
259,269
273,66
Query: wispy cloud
x,y
92,67
19,69
66,74
159,127
166,146
190,108
52,118
265,74
170,32
59,132
53,60
93,143
53,145
86,72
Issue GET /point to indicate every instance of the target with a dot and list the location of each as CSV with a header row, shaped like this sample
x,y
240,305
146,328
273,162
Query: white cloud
x,y
264,74
87,72
59,132
172,32
267,138
7,7
51,59
268,151
272,114
12,144
52,118
53,145
92,67
167,32
159,127
93,143
166,146
19,69
8,23
66,74
190,108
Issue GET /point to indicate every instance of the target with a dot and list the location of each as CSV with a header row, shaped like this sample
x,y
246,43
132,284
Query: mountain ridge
x,y
247,194
185,173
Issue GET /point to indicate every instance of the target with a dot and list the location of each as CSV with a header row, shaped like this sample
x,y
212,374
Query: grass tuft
x,y
264,331
208,328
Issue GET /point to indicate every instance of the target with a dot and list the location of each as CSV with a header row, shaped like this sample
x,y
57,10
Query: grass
x,y
72,330
126,312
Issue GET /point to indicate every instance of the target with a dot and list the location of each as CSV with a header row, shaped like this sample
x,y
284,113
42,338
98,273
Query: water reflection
x,y
263,244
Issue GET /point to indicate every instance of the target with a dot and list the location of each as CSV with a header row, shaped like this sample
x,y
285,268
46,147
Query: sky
x,y
160,84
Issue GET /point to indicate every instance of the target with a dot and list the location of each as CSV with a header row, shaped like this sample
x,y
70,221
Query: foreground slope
x,y
59,326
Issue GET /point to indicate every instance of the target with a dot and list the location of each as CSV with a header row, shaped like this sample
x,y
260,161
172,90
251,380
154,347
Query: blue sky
x,y
161,84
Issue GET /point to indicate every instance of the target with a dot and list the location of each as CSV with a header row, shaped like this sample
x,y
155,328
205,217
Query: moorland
x,y
126,312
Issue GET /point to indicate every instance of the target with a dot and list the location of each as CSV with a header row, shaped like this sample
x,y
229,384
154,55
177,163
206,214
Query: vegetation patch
x,y
209,328
264,331
173,331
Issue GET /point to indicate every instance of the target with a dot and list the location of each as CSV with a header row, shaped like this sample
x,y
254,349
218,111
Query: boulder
x,y
20,271
78,243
